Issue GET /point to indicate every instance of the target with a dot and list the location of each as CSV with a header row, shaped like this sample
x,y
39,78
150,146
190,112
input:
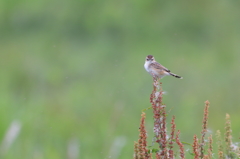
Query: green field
x,y
72,72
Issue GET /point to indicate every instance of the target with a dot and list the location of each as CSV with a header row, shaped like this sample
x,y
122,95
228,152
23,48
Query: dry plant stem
x,y
170,151
142,141
238,152
166,146
181,147
158,156
219,143
206,157
136,150
164,134
228,136
204,129
195,147
210,148
159,115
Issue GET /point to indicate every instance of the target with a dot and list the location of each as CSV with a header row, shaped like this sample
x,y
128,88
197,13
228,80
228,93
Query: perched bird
x,y
156,69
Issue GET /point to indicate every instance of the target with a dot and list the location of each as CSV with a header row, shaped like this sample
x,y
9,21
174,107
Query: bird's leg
x,y
155,77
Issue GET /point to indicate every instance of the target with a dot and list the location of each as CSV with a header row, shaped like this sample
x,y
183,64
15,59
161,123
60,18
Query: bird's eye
x,y
147,59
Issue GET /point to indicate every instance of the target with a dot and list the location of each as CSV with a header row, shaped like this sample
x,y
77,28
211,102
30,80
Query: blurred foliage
x,y
74,70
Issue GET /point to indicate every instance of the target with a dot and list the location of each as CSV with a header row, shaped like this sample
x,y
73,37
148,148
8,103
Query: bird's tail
x,y
174,75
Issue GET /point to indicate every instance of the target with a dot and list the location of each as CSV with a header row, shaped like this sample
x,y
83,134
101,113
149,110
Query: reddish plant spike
x,y
163,132
158,156
170,154
156,113
141,151
228,137
220,146
136,150
142,141
204,128
159,115
181,147
205,157
195,147
210,148
172,138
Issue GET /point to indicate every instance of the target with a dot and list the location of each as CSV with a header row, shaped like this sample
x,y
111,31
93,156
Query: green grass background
x,y
74,70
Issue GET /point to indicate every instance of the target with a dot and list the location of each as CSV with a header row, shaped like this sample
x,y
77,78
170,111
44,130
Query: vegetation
x,y
72,77
202,148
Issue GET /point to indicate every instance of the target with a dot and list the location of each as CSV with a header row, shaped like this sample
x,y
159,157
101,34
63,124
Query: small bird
x,y
156,69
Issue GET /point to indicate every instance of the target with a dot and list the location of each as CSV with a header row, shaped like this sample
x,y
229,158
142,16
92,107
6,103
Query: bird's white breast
x,y
146,66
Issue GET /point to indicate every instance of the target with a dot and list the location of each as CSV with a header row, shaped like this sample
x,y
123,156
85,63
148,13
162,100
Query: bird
x,y
156,70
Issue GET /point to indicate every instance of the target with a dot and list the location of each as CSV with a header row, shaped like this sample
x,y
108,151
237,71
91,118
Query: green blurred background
x,y
72,72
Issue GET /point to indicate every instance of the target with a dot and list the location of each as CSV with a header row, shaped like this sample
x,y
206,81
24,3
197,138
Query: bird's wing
x,y
159,66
